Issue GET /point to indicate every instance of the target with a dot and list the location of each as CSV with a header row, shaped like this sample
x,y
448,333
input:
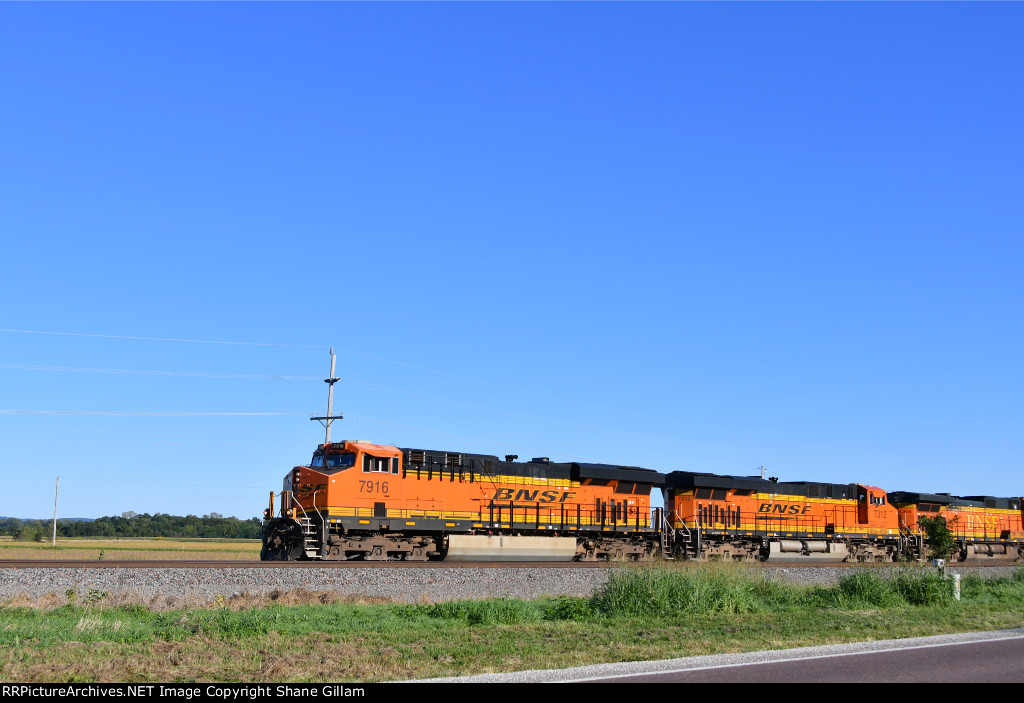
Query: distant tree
x,y
132,524
10,526
29,532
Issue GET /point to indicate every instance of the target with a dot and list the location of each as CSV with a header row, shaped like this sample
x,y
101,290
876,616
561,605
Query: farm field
x,y
133,548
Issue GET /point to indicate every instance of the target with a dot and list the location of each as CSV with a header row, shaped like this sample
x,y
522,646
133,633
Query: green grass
x,y
643,613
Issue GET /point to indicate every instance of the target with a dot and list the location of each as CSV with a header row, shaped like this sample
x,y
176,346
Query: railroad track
x,y
186,564
209,564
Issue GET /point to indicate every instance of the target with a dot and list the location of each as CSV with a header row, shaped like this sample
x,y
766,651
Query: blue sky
x,y
673,235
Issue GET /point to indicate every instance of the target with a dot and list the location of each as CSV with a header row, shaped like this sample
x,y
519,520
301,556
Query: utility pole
x,y
55,490
330,400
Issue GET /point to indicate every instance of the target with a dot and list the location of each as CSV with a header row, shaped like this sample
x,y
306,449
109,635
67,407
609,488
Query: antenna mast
x,y
56,487
330,400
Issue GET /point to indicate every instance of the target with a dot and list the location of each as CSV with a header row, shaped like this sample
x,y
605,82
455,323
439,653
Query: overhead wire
x,y
164,339
142,413
140,372
340,349
346,381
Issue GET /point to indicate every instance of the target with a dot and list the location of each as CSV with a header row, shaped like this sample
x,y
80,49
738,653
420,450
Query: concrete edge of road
x,y
596,672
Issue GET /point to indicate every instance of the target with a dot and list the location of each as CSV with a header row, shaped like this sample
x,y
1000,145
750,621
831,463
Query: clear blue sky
x,y
679,236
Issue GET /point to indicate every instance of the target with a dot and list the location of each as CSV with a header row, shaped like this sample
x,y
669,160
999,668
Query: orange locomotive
x,y
357,500
985,528
750,518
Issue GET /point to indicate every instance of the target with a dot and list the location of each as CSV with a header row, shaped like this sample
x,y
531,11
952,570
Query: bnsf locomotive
x,y
358,500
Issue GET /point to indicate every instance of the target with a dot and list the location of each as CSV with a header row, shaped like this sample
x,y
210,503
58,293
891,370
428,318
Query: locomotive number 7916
x,y
373,487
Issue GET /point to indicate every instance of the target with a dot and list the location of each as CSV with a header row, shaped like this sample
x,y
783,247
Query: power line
x,y
198,443
165,339
140,372
347,351
347,381
136,412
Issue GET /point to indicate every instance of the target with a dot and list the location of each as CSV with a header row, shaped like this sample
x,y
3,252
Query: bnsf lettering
x,y
524,495
306,488
783,509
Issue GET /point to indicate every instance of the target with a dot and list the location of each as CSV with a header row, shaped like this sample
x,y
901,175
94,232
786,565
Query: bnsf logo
x,y
783,509
532,496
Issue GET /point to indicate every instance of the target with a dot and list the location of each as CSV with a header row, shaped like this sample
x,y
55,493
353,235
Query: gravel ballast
x,y
180,587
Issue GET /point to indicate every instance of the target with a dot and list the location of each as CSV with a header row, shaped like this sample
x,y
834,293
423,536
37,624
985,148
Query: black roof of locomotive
x,y
812,489
489,464
1009,503
612,472
913,497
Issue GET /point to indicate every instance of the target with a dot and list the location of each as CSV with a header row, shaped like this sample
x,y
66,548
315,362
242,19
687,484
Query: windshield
x,y
341,461
334,462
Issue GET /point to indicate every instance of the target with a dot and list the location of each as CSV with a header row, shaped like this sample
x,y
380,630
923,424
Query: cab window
x,y
375,464
341,461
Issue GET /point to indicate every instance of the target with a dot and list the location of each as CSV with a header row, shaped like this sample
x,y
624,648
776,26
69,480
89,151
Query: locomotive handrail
x,y
908,529
323,523
668,532
918,537
291,499
524,513
689,535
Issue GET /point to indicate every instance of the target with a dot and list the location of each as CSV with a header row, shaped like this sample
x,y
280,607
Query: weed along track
x,y
164,585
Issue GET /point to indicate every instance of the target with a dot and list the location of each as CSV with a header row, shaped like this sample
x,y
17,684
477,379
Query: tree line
x,y
131,524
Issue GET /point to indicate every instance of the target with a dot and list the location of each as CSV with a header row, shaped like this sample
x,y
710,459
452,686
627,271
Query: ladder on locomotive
x,y
689,540
310,539
911,539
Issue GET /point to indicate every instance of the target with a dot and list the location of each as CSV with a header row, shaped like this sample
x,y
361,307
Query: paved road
x,y
963,658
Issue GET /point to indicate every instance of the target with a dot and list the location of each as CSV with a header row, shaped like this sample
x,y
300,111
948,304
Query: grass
x,y
642,613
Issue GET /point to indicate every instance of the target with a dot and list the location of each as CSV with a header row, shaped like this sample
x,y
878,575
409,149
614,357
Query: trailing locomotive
x,y
749,518
985,528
